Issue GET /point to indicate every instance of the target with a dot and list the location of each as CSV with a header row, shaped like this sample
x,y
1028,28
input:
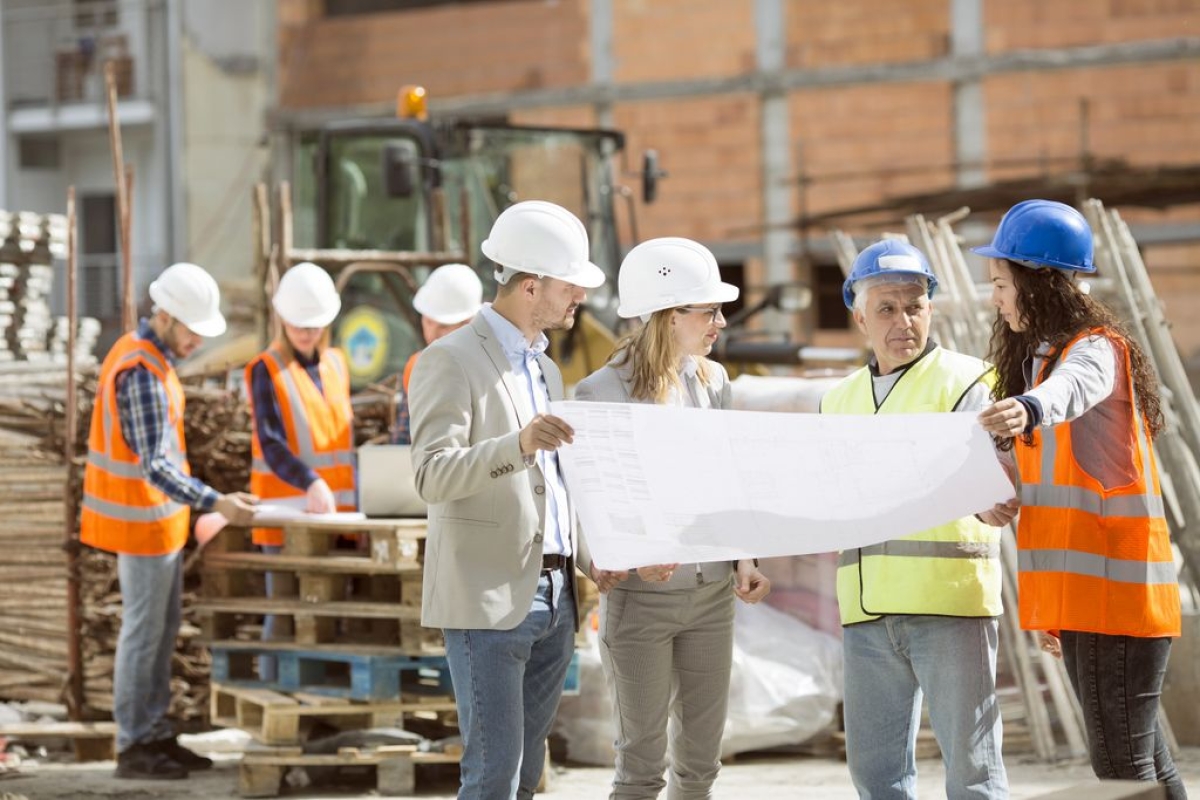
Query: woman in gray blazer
x,y
666,632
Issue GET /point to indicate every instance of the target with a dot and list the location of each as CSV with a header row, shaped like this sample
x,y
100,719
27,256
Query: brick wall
x,y
1040,24
865,32
450,50
858,144
656,40
710,148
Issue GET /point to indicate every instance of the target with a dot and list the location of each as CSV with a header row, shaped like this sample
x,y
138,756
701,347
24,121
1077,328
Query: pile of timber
x,y
40,491
34,509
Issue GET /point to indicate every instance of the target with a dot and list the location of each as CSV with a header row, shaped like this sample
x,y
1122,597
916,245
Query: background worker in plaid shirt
x,y
138,496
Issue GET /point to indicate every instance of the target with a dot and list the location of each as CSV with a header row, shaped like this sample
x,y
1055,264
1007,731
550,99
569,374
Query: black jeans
x,y
1118,680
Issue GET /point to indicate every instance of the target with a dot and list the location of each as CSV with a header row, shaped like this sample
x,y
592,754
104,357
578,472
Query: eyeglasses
x,y
712,311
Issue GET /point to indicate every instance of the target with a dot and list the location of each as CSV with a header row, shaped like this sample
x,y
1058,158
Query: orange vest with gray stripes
x,y
319,427
1093,549
122,512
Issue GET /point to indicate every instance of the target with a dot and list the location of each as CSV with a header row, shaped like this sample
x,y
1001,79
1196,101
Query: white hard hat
x,y
542,239
668,273
190,295
451,294
306,297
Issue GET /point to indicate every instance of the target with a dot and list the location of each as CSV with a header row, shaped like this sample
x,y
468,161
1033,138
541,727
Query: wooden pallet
x,y
262,768
93,741
393,545
275,718
349,675
322,594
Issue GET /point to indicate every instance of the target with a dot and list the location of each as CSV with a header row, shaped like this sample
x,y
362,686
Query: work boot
x,y
181,755
144,762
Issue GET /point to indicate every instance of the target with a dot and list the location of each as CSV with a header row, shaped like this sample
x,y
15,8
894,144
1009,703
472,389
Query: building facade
x,y
193,88
769,113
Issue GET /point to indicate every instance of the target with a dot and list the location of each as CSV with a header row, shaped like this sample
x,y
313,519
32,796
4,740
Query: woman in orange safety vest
x,y
1096,574
303,442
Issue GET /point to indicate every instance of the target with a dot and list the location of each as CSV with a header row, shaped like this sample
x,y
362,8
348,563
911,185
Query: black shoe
x,y
181,755
144,762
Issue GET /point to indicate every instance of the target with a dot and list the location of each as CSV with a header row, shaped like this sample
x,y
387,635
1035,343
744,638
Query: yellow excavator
x,y
382,202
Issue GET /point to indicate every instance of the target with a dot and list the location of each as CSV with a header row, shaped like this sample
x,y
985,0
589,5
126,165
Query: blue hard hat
x,y
1043,233
888,257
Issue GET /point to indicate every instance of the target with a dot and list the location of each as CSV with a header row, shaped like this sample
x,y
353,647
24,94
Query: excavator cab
x,y
408,186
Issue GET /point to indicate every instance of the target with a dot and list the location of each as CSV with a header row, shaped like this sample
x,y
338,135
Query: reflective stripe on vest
x,y
303,412
950,570
1091,558
121,511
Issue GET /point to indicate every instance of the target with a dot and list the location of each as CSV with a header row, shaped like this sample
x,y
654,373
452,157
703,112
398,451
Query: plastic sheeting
x,y
784,689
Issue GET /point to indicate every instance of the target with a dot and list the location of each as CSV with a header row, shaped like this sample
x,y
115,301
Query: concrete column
x,y
5,163
970,122
173,120
769,19
603,64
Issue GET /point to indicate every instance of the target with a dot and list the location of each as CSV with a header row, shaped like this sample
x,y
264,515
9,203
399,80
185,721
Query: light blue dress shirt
x,y
522,357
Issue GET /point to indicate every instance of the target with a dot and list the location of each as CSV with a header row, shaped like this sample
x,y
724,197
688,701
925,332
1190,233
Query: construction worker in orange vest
x,y
303,442
1097,575
446,301
138,492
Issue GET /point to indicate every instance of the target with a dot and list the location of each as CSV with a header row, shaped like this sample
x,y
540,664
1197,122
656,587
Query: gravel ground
x,y
754,776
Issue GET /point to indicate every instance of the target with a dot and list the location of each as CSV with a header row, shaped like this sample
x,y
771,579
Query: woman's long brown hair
x,y
1055,311
653,359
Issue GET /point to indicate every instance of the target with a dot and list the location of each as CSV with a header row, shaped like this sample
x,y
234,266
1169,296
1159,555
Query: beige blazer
x,y
487,509
612,384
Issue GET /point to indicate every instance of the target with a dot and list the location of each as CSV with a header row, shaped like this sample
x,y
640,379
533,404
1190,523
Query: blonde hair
x,y
652,356
285,346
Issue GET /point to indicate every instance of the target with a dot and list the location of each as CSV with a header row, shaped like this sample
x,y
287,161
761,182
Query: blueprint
x,y
658,484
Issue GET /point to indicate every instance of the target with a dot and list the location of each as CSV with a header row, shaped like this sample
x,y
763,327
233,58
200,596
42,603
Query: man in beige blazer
x,y
501,548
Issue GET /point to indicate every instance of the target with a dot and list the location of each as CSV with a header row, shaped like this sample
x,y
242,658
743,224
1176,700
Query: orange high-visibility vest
x,y
1094,553
122,512
319,428
408,369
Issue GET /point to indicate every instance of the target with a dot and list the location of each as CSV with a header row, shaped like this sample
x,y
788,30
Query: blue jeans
x,y
507,685
889,664
1118,680
151,610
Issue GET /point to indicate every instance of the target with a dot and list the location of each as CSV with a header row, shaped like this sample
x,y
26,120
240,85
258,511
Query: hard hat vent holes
x,y
664,270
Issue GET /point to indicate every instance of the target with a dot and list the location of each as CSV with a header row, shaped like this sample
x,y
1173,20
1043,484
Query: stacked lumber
x,y
34,507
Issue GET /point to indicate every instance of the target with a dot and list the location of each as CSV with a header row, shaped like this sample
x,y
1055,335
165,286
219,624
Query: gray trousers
x,y
667,656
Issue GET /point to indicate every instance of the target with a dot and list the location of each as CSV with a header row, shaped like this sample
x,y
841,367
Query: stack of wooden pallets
x,y
350,653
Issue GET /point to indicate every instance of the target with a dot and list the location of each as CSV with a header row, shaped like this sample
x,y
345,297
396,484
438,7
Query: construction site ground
x,y
747,776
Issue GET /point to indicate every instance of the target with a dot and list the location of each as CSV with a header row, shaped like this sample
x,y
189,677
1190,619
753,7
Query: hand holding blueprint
x,y
655,484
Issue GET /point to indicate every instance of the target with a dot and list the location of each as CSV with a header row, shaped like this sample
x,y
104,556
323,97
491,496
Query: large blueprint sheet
x,y
655,484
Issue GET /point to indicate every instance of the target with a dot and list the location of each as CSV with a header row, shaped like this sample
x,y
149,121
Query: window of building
x,y
38,152
345,8
93,14
831,310
99,278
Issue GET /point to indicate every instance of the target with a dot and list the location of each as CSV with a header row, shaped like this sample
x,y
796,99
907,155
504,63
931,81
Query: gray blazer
x,y
612,384
483,554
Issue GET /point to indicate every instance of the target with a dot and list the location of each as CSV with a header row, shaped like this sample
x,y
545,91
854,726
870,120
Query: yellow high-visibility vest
x,y
950,570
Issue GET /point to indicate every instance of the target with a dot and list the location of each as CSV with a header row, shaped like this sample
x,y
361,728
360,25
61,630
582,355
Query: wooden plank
x,y
333,608
328,564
